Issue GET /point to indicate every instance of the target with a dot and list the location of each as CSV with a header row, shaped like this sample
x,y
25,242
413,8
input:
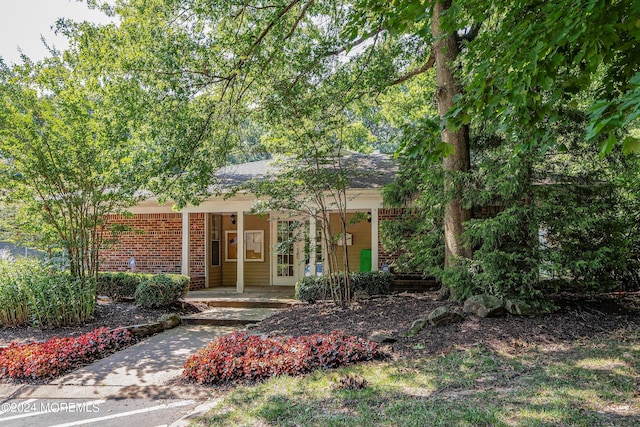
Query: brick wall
x,y
197,262
155,241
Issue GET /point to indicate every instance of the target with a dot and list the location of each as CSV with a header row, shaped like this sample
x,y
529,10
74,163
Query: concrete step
x,y
229,316
245,302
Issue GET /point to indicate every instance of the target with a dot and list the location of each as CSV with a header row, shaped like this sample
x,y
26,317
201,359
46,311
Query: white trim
x,y
240,251
207,248
185,244
375,239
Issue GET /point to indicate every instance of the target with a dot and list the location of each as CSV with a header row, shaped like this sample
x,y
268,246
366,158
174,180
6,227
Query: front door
x,y
288,253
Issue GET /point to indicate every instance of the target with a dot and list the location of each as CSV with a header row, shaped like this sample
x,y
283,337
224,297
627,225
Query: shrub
x,y
314,288
44,297
239,356
57,356
372,282
162,290
120,285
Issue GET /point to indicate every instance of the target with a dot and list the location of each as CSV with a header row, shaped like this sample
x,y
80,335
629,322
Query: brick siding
x,y
155,241
197,260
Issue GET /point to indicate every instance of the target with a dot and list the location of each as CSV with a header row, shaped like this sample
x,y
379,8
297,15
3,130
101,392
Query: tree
x,y
509,66
66,145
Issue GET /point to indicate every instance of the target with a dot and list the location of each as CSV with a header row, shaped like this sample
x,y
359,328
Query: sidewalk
x,y
148,369
152,368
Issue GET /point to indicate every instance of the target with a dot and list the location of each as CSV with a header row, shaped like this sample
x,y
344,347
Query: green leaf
x,y
631,145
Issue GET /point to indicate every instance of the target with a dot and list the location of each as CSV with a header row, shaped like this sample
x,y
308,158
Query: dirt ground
x,y
578,318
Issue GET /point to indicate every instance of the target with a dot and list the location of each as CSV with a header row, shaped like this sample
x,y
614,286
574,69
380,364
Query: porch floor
x,y
227,307
250,292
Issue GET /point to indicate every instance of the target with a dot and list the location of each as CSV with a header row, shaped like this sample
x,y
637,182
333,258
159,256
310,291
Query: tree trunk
x,y
446,52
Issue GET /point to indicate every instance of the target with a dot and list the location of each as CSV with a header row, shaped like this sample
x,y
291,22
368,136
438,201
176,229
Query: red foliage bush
x,y
239,356
57,356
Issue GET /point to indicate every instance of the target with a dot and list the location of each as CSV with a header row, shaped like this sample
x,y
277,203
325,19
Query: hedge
x,y
120,285
314,288
161,290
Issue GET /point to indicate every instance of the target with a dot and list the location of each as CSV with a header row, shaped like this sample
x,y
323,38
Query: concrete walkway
x,y
155,361
150,369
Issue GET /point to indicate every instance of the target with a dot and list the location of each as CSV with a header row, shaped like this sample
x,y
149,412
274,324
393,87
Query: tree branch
x,y
430,62
357,42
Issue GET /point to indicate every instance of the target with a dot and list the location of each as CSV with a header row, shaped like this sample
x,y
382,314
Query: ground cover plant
x,y
56,356
240,356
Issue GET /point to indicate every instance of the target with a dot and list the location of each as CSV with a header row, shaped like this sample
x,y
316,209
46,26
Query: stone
x,y
484,306
444,316
521,308
382,338
170,320
416,327
144,330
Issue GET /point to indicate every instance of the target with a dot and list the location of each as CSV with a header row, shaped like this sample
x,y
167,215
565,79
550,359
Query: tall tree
x,y
446,51
67,150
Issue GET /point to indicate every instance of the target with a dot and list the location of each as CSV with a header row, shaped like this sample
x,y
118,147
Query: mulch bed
x,y
108,314
578,318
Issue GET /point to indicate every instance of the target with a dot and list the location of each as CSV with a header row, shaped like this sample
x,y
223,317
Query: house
x,y
221,243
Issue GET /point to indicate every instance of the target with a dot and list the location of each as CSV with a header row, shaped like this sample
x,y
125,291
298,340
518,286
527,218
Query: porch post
x,y
374,239
185,243
240,257
313,245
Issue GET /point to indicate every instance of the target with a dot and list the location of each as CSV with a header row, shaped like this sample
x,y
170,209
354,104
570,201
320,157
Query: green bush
x,y
161,290
32,293
120,285
371,282
312,289
315,288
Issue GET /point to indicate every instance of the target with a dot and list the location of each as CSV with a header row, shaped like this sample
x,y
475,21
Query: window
x,y
214,228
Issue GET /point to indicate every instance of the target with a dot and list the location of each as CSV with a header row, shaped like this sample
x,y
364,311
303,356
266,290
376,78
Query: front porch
x,y
227,307
250,294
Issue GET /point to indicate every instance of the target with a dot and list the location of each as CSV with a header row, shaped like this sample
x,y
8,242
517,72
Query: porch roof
x,y
366,170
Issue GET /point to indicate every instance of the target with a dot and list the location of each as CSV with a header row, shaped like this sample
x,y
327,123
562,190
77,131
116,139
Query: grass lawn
x,y
587,383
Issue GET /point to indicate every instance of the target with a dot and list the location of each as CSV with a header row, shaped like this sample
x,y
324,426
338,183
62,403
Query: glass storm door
x,y
287,253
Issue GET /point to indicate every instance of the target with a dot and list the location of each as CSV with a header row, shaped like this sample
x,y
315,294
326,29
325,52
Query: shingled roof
x,y
367,170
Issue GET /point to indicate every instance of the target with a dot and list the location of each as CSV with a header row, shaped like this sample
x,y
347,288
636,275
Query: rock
x,y
444,316
521,308
484,306
144,330
169,320
416,327
382,338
